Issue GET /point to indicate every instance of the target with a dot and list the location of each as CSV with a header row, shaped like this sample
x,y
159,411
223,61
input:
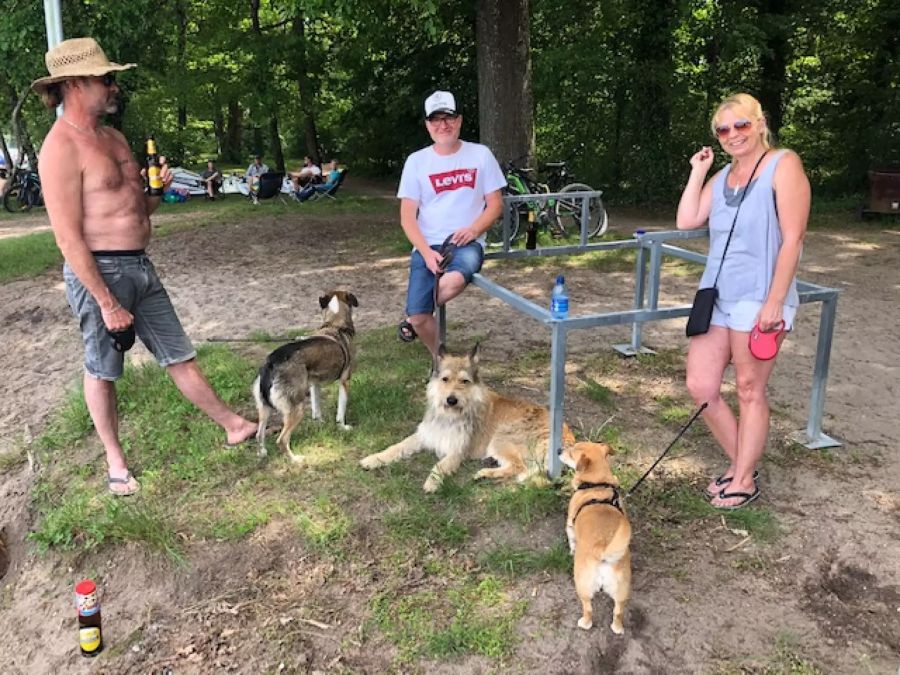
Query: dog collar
x,y
611,501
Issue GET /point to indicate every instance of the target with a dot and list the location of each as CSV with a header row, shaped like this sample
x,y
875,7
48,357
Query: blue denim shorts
x,y
467,260
133,281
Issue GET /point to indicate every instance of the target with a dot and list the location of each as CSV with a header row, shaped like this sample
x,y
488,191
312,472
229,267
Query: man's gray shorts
x,y
133,281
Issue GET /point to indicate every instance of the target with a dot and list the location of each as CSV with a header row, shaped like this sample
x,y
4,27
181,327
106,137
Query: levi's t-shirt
x,y
449,189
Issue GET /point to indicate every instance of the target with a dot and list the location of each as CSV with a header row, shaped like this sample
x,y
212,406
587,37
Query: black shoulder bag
x,y
705,299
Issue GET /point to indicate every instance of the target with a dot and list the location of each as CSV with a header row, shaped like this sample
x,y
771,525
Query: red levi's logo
x,y
453,180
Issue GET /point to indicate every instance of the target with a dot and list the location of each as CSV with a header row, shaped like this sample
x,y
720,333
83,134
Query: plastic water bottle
x,y
559,299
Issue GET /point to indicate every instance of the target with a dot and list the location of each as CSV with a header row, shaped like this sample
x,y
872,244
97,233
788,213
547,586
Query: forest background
x,y
622,89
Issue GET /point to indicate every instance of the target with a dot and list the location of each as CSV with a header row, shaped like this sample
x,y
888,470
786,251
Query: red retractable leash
x,y
764,344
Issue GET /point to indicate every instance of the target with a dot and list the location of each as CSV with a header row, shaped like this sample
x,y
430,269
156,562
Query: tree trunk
x,y
773,64
505,105
275,142
219,129
234,134
307,94
181,47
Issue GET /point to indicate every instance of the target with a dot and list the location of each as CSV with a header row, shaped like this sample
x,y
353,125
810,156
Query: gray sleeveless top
x,y
750,260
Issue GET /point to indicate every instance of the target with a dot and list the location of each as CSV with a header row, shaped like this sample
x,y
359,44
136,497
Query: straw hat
x,y
78,57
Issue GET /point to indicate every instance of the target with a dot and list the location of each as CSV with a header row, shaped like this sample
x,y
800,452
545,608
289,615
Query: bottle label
x,y
153,177
87,604
89,639
559,306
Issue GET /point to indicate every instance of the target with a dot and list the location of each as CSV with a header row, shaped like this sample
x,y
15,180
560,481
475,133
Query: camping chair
x,y
269,186
330,190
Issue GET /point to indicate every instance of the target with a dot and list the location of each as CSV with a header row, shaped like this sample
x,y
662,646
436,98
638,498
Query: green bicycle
x,y
560,216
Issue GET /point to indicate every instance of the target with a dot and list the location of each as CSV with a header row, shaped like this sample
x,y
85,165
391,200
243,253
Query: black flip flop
x,y
745,497
406,332
722,481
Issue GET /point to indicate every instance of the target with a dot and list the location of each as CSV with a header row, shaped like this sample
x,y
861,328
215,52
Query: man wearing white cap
x,y
100,216
449,194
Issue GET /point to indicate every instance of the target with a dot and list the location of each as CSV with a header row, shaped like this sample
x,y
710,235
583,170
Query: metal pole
x,y
815,439
557,389
53,22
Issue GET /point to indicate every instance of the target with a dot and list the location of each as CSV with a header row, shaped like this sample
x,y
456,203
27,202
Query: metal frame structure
x,y
651,247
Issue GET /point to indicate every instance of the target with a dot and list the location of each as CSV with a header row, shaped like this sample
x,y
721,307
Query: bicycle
x,y
25,192
558,215
542,212
569,210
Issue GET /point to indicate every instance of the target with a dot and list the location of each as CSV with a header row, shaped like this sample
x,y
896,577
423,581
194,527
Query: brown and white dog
x,y
297,367
467,420
599,532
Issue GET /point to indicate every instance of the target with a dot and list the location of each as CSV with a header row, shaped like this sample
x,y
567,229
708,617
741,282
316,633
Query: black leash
x,y
680,434
282,338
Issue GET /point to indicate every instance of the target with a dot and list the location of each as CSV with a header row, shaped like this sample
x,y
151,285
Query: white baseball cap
x,y
440,102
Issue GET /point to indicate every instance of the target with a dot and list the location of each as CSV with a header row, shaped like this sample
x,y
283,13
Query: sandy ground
x,y
836,587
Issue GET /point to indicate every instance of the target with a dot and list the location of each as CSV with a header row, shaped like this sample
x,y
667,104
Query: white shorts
x,y
741,315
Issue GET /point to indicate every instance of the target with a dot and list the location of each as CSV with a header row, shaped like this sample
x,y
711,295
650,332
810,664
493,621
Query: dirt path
x,y
836,586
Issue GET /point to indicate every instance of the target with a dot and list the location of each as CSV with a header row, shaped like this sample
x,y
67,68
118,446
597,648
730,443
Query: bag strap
x,y
737,211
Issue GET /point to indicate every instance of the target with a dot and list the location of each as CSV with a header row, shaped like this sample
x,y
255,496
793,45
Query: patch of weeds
x,y
515,561
324,524
753,563
28,256
665,362
597,392
522,503
12,460
759,522
77,518
422,520
676,413
473,616
785,659
69,424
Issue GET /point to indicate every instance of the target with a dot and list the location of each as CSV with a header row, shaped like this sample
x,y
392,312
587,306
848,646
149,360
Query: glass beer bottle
x,y
154,180
87,601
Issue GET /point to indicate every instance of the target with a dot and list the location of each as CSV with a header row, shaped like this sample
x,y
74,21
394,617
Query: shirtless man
x,y
100,216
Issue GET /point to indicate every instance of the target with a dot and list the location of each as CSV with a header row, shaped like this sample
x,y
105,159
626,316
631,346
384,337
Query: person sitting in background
x,y
213,179
334,175
254,171
308,173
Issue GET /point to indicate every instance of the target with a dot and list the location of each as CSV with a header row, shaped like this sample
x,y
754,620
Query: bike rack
x,y
650,247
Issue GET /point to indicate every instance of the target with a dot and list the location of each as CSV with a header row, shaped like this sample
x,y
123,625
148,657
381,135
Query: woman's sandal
x,y
722,481
129,483
745,497
406,332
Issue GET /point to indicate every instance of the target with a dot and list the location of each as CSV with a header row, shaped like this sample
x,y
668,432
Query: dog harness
x,y
610,501
342,343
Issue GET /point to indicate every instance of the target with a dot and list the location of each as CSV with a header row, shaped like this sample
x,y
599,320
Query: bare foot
x,y
243,432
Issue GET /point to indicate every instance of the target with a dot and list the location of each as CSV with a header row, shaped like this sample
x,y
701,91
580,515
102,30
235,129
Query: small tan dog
x,y
598,531
302,366
466,420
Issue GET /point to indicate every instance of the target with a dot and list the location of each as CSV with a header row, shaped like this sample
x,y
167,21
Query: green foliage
x,y
624,90
517,561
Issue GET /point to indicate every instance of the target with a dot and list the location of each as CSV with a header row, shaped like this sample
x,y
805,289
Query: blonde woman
x,y
757,283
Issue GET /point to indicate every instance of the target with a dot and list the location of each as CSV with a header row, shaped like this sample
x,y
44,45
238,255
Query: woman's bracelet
x,y
111,310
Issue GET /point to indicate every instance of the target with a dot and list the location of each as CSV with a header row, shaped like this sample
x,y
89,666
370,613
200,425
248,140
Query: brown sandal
x,y
131,486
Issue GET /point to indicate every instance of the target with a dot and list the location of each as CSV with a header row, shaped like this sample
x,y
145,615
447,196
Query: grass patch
x,y
27,256
474,615
597,392
516,561
523,504
12,460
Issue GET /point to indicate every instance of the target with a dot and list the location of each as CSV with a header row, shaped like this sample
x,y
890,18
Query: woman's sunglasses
x,y
740,125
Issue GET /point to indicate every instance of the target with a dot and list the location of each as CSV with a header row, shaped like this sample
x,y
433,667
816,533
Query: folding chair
x,y
330,190
269,186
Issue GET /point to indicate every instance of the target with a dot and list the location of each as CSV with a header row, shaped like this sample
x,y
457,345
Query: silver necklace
x,y
75,126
